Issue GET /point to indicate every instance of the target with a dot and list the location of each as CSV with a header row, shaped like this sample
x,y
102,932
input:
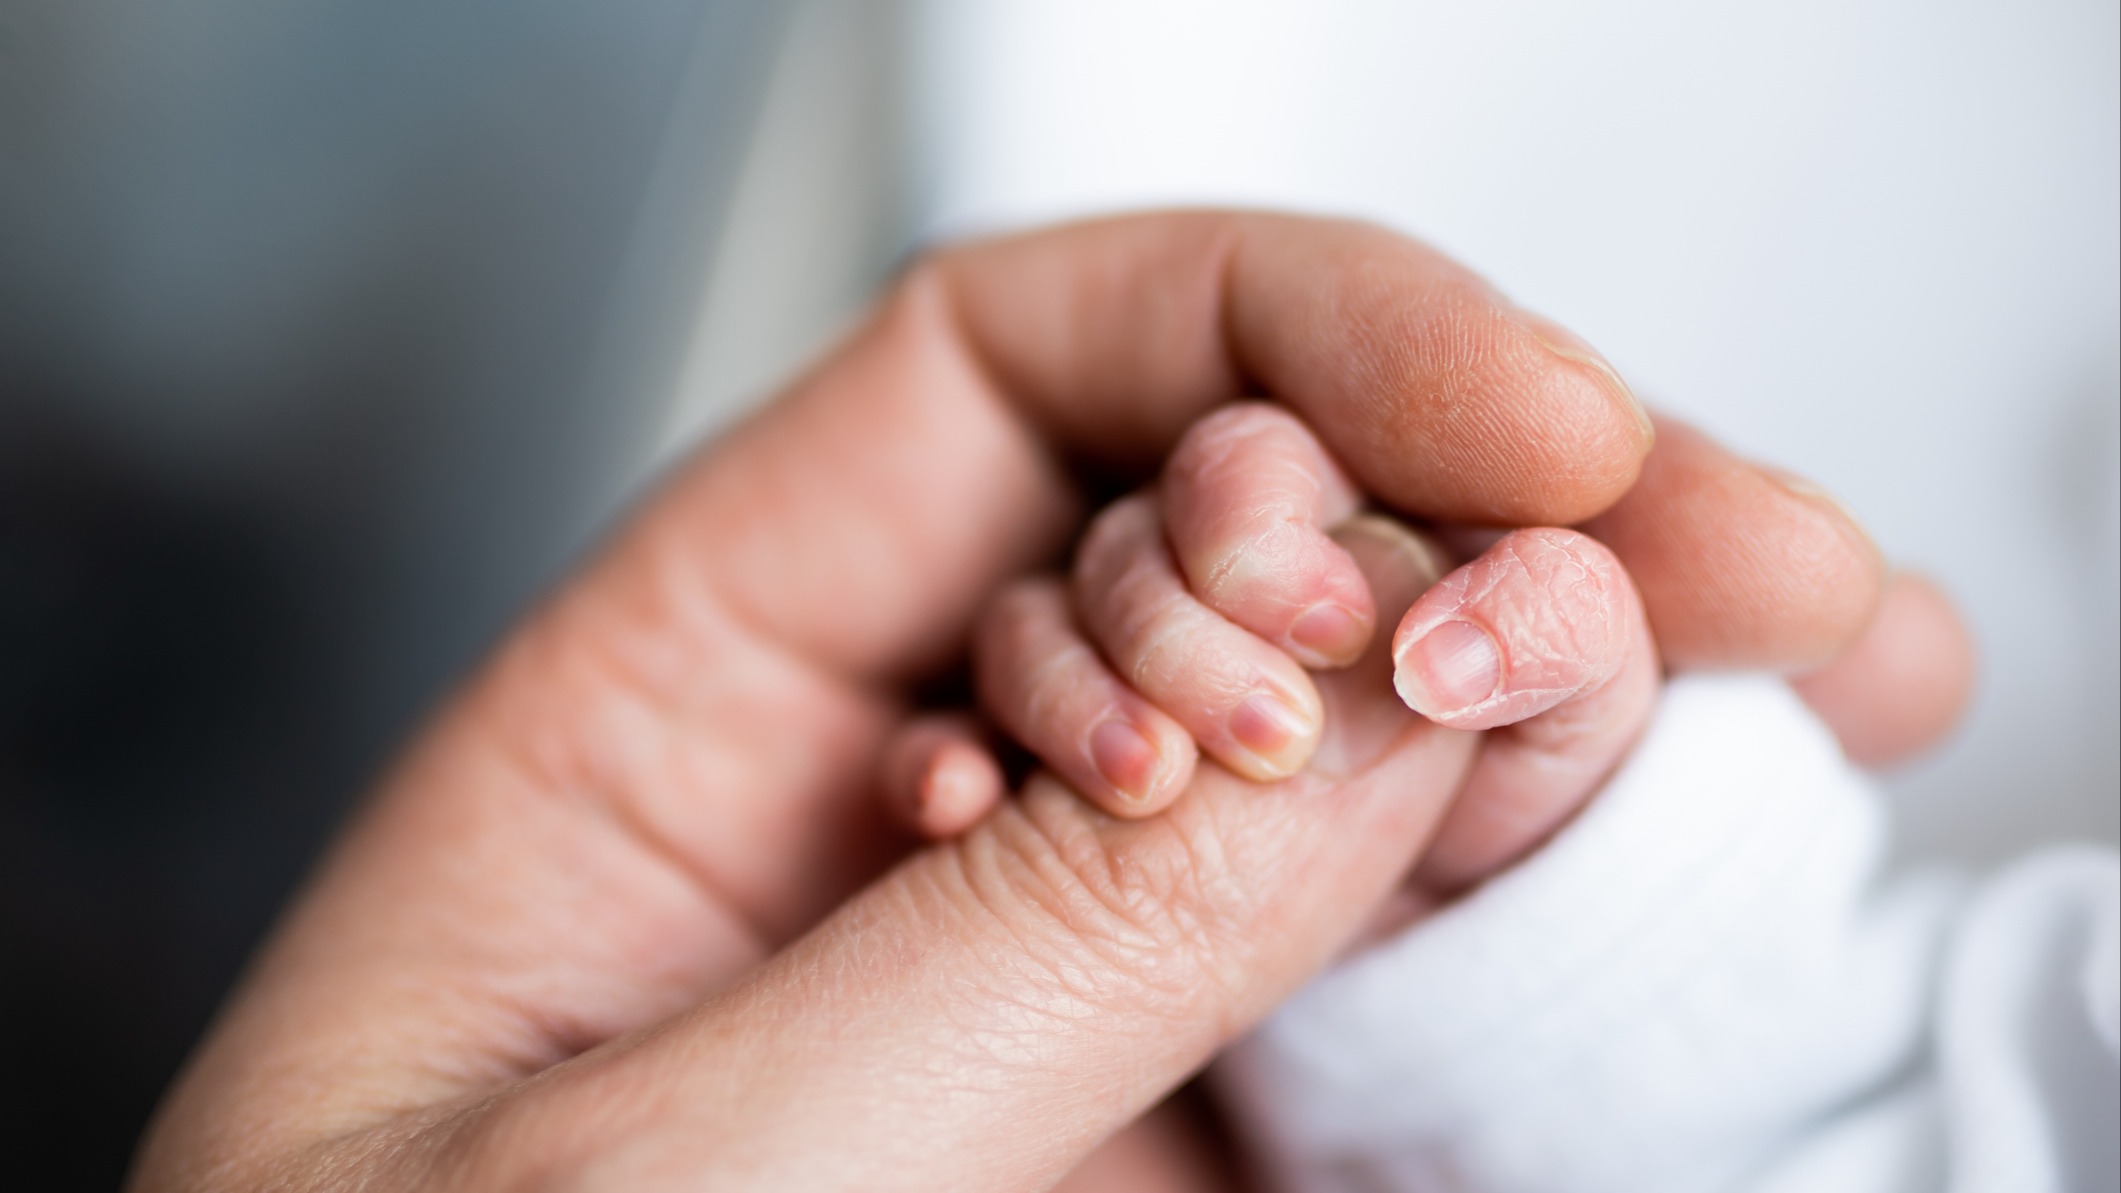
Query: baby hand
x,y
1194,608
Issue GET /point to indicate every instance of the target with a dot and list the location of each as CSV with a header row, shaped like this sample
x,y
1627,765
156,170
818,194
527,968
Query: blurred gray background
x,y
328,332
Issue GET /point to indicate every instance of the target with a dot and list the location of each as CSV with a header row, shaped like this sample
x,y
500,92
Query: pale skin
x,y
622,916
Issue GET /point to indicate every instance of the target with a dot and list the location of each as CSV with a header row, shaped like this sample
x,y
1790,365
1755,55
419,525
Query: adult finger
x,y
1249,496
1904,684
1246,702
1740,566
1541,640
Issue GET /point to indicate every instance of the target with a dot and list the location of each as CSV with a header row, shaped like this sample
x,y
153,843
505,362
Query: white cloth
x,y
1702,985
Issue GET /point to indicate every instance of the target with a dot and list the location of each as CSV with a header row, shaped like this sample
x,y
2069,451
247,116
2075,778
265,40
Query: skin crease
x,y
625,912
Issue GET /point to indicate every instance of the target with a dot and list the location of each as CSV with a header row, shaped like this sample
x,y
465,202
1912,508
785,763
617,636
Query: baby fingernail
x,y
1126,758
1568,346
1272,731
1448,670
1330,630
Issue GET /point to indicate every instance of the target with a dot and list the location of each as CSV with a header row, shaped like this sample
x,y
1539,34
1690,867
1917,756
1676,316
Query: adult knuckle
x,y
1121,916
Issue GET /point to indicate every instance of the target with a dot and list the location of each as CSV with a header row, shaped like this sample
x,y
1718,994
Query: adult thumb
x,y
988,1012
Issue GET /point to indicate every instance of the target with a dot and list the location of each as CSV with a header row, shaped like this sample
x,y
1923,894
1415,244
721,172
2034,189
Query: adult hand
x,y
621,915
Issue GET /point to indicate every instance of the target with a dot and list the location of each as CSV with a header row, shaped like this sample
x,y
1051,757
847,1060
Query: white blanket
x,y
1701,984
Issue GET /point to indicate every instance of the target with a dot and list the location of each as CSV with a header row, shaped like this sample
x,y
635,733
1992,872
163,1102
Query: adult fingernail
x,y
1273,732
1448,670
1331,631
1808,490
1570,347
1126,758
1818,495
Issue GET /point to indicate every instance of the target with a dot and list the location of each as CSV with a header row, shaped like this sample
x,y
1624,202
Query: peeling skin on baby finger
x,y
1534,620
